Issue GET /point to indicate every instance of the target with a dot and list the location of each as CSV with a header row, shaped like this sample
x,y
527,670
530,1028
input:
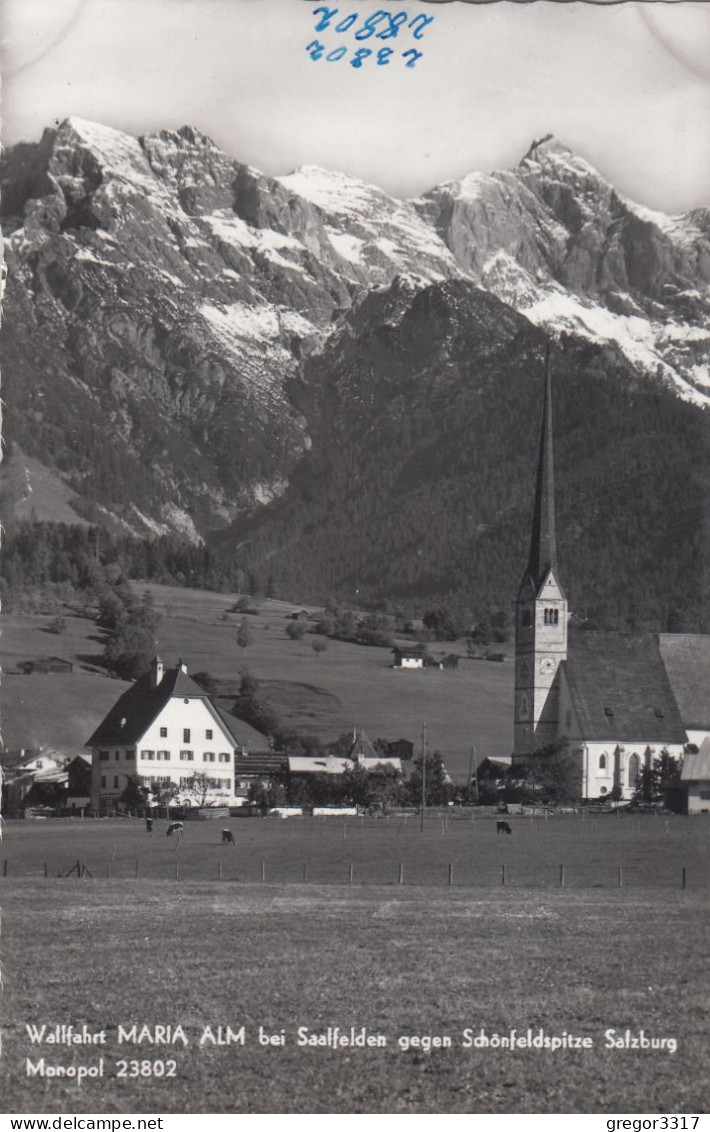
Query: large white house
x,y
163,730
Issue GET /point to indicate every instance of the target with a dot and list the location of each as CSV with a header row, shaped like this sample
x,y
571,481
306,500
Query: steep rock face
x,y
163,299
557,242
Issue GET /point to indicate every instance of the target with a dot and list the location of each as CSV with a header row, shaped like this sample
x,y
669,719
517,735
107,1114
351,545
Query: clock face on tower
x,y
547,665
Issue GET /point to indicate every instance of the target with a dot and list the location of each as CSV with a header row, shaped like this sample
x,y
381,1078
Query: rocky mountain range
x,y
187,342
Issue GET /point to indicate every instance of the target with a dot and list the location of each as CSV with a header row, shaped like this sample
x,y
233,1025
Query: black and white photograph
x,y
355,631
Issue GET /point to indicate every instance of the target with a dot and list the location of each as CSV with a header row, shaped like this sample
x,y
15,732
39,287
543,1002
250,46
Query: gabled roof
x,y
697,767
361,747
301,764
135,710
620,690
687,660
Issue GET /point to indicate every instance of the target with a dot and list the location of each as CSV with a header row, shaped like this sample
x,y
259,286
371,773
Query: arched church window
x,y
633,769
602,762
552,616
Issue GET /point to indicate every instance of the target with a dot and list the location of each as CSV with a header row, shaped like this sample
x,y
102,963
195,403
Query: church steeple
x,y
543,542
541,609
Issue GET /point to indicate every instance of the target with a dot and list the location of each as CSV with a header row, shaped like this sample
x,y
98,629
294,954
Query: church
x,y
604,698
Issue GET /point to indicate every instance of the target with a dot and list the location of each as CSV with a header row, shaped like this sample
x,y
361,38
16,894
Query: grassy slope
x,y
347,685
396,961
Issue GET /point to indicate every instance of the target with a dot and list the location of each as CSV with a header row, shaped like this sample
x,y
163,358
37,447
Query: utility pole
x,y
470,775
421,819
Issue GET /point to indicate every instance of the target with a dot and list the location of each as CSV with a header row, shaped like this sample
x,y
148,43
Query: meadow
x,y
323,695
402,962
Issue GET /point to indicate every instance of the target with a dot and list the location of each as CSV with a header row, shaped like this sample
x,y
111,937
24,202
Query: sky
x,y
627,86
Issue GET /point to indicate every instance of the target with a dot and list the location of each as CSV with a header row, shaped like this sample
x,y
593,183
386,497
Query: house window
x,y
163,732
208,733
164,755
187,756
115,780
130,754
602,762
103,781
117,755
104,756
150,755
704,795
224,757
552,616
208,757
186,734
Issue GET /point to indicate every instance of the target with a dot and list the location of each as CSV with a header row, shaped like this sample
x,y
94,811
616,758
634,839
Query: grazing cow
x,y
503,827
228,837
174,825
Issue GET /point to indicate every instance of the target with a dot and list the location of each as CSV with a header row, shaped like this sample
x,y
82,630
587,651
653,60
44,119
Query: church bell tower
x,y
540,612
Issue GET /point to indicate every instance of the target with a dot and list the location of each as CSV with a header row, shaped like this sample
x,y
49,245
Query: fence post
x,y
263,872
177,869
219,870
451,872
685,878
345,830
562,876
108,870
305,872
401,873
136,871
4,867
78,869
46,872
502,875
621,877
350,873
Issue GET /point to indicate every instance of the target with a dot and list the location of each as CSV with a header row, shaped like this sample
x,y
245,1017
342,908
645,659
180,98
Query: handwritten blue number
x,y
368,28
423,21
383,56
333,56
316,49
328,14
348,22
396,22
415,55
360,55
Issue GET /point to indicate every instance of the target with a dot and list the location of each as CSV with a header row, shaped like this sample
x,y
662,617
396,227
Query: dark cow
x,y
173,827
503,827
228,837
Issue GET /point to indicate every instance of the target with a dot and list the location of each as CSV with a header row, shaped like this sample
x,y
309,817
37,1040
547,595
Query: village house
x,y
695,778
412,657
163,731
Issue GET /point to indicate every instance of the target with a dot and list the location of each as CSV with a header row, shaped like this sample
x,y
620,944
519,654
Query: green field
x,y
400,960
322,695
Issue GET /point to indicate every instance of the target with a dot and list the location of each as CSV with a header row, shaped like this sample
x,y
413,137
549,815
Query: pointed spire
x,y
543,544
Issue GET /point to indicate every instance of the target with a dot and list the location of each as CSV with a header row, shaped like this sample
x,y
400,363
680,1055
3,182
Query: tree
x,y
439,787
555,774
206,681
319,645
295,631
135,794
198,787
129,652
244,634
57,624
651,778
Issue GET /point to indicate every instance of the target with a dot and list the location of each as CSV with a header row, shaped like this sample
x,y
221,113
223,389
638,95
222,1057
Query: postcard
x,y
355,633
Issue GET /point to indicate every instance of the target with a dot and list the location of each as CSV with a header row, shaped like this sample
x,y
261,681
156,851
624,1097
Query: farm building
x,y
401,749
605,696
413,657
65,789
695,777
686,657
162,731
48,664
